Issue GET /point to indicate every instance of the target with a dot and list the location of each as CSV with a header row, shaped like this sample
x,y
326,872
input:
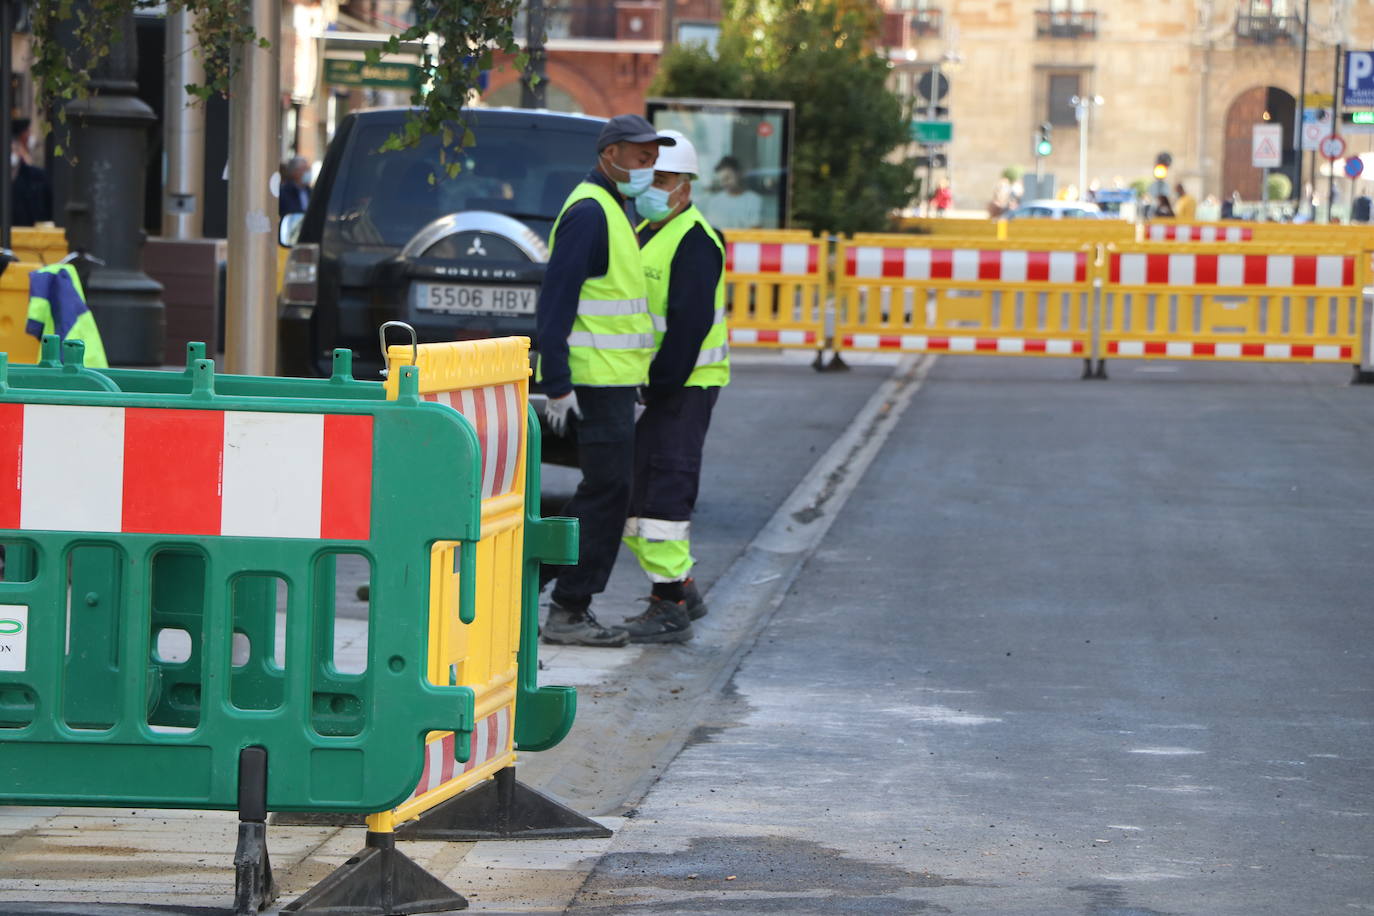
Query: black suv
x,y
455,258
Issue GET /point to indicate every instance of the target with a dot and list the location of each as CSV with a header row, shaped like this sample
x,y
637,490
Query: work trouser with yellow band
x,y
669,438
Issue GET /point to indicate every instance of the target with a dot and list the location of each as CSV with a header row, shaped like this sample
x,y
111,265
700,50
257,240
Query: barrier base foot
x,y
379,881
254,888
501,809
1362,376
836,362
1091,374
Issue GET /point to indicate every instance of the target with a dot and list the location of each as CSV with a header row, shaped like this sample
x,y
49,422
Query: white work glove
x,y
557,410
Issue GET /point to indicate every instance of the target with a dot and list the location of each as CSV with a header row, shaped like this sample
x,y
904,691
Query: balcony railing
x,y
1066,23
926,22
1268,28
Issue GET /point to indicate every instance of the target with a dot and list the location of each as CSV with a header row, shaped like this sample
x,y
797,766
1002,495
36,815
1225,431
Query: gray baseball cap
x,y
630,128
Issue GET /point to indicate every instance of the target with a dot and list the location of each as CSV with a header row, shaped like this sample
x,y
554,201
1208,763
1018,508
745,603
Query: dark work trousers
x,y
605,453
668,443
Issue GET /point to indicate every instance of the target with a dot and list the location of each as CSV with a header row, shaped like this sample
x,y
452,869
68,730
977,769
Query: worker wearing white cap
x,y
684,267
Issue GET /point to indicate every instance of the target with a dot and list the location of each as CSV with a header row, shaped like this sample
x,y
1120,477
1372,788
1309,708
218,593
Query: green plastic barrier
x,y
94,716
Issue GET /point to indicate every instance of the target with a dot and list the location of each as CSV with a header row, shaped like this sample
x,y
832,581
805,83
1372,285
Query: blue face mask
x,y
639,181
653,204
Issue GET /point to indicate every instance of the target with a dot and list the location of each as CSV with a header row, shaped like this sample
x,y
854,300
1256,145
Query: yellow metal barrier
x,y
487,381
998,298
46,245
14,310
1230,302
776,288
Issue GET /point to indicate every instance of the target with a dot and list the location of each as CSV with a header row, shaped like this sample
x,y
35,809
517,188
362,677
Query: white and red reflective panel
x,y
1159,232
745,336
965,264
1184,349
150,470
494,412
491,737
1270,271
797,259
924,343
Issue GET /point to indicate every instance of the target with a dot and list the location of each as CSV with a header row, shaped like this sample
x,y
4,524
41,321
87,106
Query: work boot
x,y
696,605
664,621
565,627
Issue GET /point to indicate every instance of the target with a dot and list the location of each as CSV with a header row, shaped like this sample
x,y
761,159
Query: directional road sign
x,y
1357,122
932,131
1333,147
1266,146
1359,79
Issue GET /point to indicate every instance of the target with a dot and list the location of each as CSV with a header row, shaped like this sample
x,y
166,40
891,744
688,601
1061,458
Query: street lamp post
x,y
1082,107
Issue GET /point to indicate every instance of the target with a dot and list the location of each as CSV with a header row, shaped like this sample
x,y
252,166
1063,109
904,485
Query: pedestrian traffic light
x,y
1044,145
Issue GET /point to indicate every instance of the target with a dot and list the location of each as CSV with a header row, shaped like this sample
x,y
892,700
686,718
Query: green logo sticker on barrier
x,y
14,637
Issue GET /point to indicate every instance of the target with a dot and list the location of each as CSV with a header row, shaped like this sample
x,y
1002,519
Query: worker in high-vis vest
x,y
57,305
595,340
684,266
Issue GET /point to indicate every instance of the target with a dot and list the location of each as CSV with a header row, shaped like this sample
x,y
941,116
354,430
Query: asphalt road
x,y
1070,647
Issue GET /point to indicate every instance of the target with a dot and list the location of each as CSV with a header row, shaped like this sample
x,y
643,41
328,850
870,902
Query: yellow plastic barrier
x,y
948,226
776,288
44,244
1067,231
1359,238
14,310
488,382
1249,302
997,298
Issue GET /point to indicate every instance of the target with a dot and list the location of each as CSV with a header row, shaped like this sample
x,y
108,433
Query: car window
x,y
381,199
1041,211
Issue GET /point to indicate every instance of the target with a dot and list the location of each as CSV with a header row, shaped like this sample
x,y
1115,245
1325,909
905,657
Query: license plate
x,y
455,299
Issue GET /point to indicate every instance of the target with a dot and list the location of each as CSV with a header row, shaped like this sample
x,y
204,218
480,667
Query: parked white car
x,y
1056,209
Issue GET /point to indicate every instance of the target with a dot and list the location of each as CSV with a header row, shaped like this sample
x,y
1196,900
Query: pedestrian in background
x,y
595,343
294,194
1163,209
943,197
1185,208
31,190
684,267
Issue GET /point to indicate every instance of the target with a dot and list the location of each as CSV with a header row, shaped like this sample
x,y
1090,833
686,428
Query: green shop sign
x,y
345,72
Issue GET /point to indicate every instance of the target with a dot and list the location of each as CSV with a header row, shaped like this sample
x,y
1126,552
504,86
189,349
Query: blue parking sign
x,y
1359,79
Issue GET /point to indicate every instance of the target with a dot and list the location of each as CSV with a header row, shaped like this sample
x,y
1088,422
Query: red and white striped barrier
x,y
1267,351
1172,232
922,343
1273,271
748,336
494,412
969,264
801,259
491,737
146,470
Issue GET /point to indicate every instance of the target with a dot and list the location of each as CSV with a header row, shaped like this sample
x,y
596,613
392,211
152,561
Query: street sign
x,y
345,72
1359,80
1316,126
1318,100
932,131
1266,146
1333,147
1354,166
932,86
1357,122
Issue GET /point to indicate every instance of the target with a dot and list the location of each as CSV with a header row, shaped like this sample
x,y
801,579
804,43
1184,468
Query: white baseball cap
x,y
680,157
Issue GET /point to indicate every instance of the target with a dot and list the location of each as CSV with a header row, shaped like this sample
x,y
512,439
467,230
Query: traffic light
x,y
1044,145
1162,163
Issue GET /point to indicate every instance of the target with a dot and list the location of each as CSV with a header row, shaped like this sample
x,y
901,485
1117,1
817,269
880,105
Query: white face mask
x,y
639,180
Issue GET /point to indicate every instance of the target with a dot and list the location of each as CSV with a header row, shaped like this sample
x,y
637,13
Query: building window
x,y
1062,88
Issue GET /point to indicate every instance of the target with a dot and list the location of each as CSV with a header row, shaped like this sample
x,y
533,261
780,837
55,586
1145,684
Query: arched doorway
x,y
1251,107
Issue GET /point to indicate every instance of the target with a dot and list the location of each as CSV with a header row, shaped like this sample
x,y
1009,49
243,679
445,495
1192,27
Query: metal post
x,y
250,325
669,23
533,83
1335,121
1082,110
6,106
1302,105
184,132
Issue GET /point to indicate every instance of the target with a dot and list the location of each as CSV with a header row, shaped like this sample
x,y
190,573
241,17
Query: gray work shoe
x,y
565,627
664,621
696,605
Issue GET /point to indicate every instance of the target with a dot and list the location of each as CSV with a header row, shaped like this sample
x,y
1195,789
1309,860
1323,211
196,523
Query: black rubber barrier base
x,y
254,888
501,809
379,881
1362,377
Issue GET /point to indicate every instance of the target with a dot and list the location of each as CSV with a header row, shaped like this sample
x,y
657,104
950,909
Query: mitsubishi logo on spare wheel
x,y
476,247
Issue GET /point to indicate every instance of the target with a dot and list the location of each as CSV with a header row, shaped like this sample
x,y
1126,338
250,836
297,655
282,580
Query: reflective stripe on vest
x,y
712,367
612,340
